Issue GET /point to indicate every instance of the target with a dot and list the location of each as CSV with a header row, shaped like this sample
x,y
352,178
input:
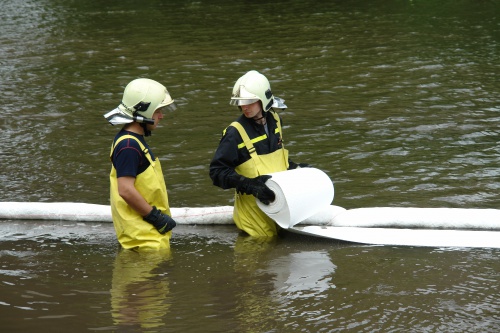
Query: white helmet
x,y
253,87
141,98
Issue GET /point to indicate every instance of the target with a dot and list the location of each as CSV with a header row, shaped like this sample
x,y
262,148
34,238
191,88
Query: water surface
x,y
397,101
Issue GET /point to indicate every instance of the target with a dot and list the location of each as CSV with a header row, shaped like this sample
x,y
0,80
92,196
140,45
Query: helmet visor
x,y
242,101
166,101
243,97
170,107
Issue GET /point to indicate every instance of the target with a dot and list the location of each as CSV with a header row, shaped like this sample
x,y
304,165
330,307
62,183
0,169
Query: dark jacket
x,y
232,152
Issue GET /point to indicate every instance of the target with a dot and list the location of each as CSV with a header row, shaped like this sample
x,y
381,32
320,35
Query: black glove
x,y
293,165
162,222
256,187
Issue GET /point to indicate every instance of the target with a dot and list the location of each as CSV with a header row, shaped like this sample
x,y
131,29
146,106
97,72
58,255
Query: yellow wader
x,y
131,230
247,215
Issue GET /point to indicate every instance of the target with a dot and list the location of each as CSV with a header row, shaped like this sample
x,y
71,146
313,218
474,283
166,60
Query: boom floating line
x,y
435,227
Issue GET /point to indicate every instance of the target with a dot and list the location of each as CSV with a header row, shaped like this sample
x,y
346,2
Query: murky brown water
x,y
397,101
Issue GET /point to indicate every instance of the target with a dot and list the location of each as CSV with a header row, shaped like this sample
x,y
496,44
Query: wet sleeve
x,y
225,160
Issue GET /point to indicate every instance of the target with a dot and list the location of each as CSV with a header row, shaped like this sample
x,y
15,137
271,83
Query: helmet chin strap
x,y
147,132
143,122
264,113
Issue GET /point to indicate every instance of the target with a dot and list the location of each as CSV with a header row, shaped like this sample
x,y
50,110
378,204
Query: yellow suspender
x,y
249,143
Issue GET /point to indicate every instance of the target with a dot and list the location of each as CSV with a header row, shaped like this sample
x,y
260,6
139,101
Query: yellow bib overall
x,y
131,230
247,215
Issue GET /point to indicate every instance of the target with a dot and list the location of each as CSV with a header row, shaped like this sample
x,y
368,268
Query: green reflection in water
x,y
396,101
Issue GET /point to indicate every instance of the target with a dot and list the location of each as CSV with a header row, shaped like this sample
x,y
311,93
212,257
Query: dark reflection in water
x,y
214,280
397,101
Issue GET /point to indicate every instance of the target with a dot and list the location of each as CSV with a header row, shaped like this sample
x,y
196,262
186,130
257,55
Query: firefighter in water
x,y
139,201
251,148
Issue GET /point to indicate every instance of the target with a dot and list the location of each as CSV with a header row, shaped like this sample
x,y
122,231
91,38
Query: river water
x,y
397,101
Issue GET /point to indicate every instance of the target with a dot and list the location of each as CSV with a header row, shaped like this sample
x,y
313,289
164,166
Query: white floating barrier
x,y
377,225
84,212
430,218
57,211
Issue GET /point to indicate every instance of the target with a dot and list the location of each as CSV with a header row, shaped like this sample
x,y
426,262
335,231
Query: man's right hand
x,y
162,222
256,187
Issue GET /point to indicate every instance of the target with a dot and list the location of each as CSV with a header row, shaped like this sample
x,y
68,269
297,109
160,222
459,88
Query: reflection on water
x,y
307,276
304,274
429,290
397,101
140,290
253,299
218,281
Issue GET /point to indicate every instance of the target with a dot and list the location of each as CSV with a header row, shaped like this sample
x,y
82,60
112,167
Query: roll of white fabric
x,y
406,237
300,194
